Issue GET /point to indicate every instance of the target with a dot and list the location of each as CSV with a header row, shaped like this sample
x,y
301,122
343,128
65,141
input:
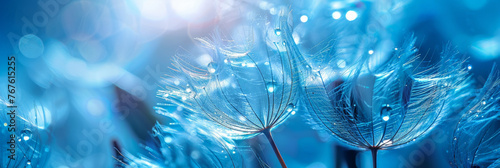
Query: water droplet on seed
x,y
277,32
290,107
212,66
26,134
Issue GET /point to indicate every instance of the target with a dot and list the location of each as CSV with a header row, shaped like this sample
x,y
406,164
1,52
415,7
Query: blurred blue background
x,y
94,66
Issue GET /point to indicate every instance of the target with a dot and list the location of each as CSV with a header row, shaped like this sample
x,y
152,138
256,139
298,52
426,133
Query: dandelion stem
x,y
374,156
269,137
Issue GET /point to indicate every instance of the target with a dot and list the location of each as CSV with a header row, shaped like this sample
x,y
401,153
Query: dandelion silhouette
x,y
387,106
476,140
249,87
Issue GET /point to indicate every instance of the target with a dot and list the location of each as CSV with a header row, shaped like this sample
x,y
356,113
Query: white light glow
x,y
304,18
154,9
336,15
351,15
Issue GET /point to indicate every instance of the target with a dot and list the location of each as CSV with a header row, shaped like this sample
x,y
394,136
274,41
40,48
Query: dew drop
x,y
336,15
384,112
469,67
385,118
271,86
26,134
168,139
212,66
351,15
290,107
304,18
277,32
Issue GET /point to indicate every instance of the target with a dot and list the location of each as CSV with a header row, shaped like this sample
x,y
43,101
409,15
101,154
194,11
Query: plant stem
x,y
374,156
269,137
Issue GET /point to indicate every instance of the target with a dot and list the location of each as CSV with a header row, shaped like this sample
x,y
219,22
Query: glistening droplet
x,y
385,112
26,134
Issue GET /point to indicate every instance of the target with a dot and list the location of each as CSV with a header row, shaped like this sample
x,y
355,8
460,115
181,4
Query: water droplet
x,y
290,107
188,90
212,66
455,138
484,102
469,67
284,43
277,32
385,118
271,86
304,18
168,139
26,134
293,112
370,52
4,124
396,49
234,152
351,15
384,112
336,15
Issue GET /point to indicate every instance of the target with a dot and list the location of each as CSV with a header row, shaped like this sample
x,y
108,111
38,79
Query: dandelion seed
x,y
482,131
348,108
